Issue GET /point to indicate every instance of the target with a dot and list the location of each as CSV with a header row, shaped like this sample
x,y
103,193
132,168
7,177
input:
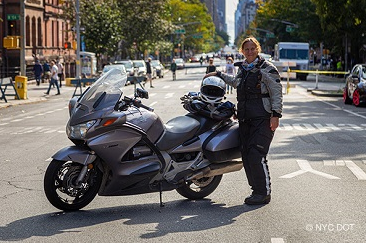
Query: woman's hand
x,y
274,123
210,74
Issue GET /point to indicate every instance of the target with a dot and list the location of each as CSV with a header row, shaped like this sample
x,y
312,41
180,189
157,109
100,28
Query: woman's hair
x,y
252,39
230,60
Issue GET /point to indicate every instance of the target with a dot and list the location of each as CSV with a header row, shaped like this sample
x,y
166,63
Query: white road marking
x,y
154,103
360,174
357,171
277,240
169,95
306,167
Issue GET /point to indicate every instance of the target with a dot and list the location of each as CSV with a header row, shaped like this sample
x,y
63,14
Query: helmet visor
x,y
212,91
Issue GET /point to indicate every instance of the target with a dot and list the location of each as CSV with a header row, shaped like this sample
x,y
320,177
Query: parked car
x,y
140,67
355,89
128,65
180,63
158,67
194,59
106,68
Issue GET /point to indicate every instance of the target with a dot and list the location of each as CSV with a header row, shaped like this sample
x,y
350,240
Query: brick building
x,y
45,35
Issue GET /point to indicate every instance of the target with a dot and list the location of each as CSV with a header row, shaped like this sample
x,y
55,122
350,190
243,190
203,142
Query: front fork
x,y
77,155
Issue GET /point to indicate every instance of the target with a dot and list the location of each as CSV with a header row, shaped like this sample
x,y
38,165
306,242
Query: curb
x,y
325,93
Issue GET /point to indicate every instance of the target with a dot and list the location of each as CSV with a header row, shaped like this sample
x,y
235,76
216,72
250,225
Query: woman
x,y
230,70
211,67
259,95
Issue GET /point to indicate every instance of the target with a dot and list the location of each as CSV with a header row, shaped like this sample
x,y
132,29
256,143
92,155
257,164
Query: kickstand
x,y
161,194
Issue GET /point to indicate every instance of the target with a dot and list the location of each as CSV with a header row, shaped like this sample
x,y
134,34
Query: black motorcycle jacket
x,y
268,84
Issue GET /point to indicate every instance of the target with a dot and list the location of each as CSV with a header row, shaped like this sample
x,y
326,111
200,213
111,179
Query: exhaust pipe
x,y
217,169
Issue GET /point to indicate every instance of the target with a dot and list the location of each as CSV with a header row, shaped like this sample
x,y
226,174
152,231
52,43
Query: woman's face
x,y
250,51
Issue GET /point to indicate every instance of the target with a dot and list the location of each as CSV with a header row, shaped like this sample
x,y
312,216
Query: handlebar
x,y
138,103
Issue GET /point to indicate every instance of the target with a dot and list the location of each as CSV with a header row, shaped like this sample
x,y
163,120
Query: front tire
x,y
60,188
356,98
198,189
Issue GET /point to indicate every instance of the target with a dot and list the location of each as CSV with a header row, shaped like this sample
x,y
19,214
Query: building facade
x,y
45,35
244,15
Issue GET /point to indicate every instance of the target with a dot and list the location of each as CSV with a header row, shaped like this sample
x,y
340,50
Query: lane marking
x,y
360,174
357,171
277,240
306,167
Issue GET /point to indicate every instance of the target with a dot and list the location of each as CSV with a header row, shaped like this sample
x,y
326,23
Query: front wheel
x,y
198,189
356,97
61,189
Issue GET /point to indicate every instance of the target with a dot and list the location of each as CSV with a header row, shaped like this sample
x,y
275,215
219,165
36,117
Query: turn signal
x,y
109,122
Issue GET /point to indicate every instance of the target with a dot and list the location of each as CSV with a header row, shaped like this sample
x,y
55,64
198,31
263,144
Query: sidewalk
x,y
36,94
327,85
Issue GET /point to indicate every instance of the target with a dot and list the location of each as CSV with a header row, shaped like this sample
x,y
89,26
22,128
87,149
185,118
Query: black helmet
x,y
212,90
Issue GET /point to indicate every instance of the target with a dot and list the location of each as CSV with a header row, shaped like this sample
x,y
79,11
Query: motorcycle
x,y
121,147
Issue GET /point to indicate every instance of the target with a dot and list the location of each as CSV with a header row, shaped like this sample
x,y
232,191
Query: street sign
x,y
11,17
74,28
197,36
270,35
289,28
180,31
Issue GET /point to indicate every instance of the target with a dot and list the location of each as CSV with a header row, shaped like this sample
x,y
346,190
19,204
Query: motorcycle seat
x,y
177,131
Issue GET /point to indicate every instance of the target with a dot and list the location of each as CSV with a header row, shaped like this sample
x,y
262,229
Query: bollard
x,y
288,81
316,79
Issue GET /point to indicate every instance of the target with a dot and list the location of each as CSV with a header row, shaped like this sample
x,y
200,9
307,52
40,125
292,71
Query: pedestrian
x,y
60,72
230,70
149,72
211,67
201,60
46,71
38,70
260,101
54,78
173,68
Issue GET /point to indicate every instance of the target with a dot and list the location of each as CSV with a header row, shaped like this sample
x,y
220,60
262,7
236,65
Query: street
x,y
317,165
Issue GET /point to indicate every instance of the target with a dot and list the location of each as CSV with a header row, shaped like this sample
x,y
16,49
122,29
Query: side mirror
x,y
141,93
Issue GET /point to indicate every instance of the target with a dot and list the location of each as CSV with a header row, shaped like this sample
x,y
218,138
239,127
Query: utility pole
x,y
22,39
78,69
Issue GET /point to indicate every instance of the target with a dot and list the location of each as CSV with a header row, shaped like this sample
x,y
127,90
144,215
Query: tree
x,y
193,16
289,20
343,21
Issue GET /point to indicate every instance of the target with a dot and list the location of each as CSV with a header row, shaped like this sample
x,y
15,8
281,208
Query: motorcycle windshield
x,y
106,91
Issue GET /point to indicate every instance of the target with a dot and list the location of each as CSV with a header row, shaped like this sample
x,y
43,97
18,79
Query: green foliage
x,y
343,20
273,15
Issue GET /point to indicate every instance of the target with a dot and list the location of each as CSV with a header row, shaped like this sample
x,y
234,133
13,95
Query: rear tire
x,y
198,189
356,98
60,188
346,99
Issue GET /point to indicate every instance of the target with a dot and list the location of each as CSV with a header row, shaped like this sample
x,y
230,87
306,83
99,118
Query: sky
x,y
230,15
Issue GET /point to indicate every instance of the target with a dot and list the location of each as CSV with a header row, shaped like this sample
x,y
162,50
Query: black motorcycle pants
x,y
256,137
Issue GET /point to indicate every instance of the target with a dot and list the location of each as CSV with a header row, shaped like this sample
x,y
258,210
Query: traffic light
x,y
74,45
67,45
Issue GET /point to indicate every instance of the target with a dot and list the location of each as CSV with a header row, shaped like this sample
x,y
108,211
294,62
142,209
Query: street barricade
x,y
79,83
4,84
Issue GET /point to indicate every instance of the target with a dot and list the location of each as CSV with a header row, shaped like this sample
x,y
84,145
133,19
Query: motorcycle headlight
x,y
79,131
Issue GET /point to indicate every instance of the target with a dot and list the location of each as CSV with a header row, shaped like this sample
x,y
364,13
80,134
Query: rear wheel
x,y
356,97
346,99
61,189
198,189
